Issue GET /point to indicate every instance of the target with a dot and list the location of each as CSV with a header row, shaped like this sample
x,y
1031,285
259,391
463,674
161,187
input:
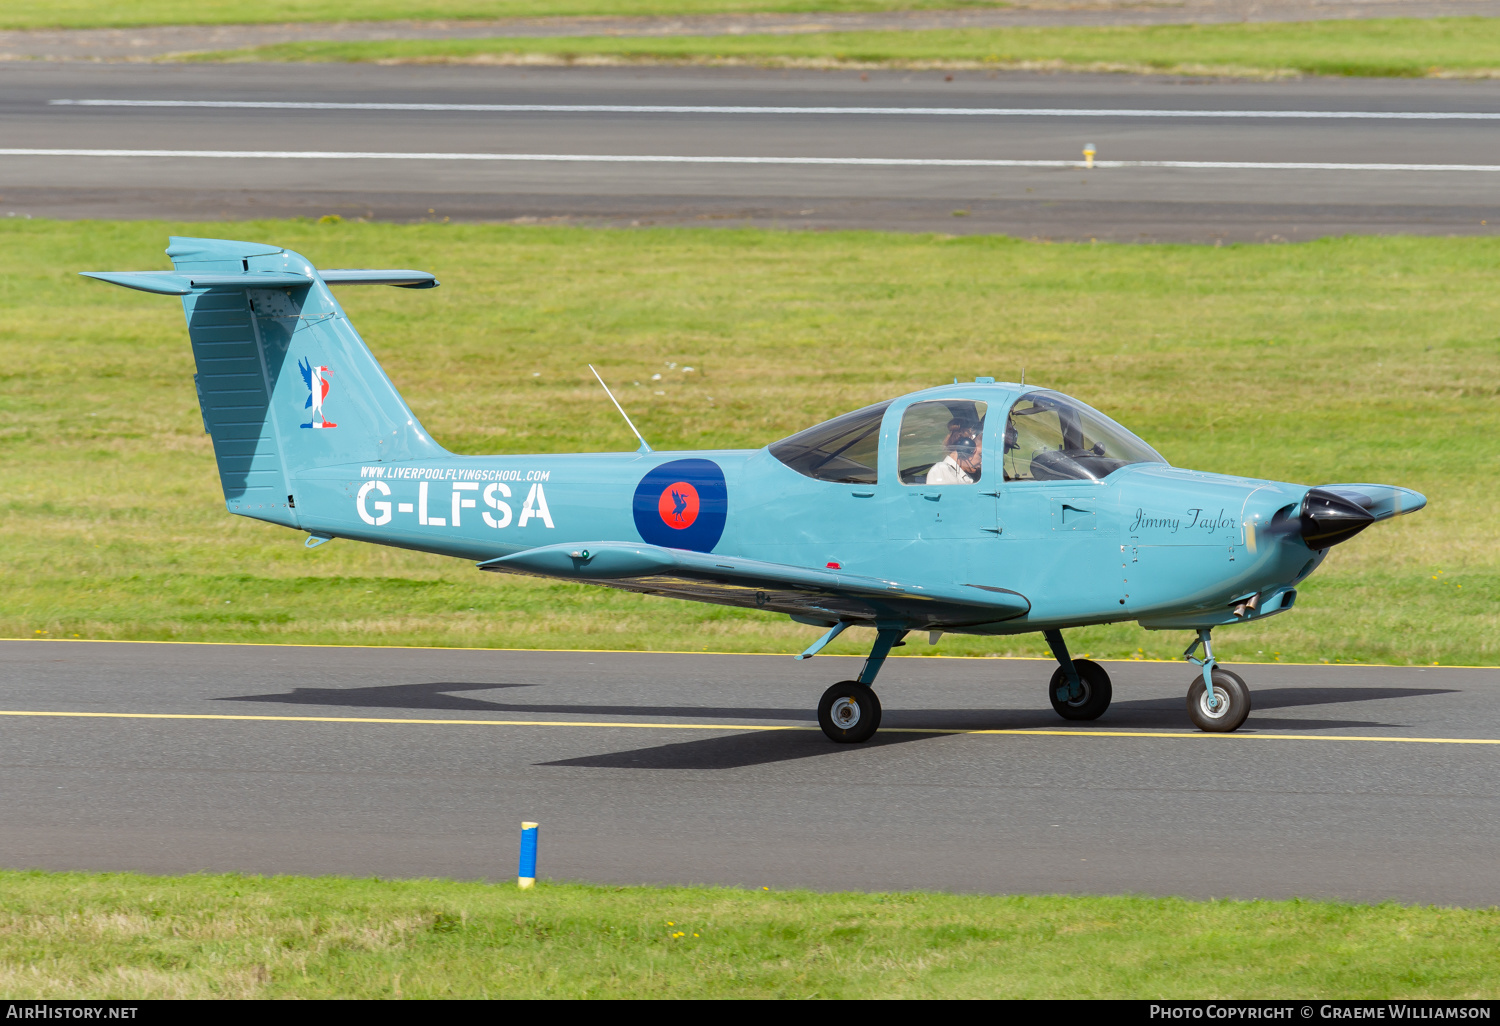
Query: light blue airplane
x,y
984,508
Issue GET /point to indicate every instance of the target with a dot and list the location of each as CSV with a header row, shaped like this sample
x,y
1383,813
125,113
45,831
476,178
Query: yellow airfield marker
x,y
526,867
747,727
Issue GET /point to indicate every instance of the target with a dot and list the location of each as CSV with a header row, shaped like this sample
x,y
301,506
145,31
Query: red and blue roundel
x,y
682,505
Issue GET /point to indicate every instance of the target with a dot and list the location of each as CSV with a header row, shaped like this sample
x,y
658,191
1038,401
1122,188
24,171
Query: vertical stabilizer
x,y
285,382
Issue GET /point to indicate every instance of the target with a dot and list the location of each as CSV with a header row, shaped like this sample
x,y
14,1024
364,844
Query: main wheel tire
x,y
1097,691
1231,696
849,712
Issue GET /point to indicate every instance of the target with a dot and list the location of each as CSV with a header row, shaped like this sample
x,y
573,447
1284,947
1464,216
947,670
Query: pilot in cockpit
x,y
965,449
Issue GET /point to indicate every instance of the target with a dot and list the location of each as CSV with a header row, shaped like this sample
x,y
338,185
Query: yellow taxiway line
x,y
708,652
396,719
632,725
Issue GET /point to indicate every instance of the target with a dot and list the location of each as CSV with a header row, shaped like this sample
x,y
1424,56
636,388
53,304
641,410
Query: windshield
x,y
843,449
1050,437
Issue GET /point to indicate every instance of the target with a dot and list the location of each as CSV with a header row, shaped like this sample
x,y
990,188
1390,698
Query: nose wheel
x,y
1229,707
1224,707
849,712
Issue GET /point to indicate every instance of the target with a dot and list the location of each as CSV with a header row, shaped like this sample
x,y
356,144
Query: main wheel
x,y
1096,696
849,712
1232,702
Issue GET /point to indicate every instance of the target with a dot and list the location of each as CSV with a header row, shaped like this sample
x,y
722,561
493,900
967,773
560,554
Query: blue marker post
x,y
526,873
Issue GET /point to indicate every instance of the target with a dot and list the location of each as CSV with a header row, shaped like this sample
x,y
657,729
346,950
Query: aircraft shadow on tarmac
x,y
776,746
737,751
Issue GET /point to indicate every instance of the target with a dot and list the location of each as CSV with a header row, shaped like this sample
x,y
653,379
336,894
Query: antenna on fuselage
x,y
644,447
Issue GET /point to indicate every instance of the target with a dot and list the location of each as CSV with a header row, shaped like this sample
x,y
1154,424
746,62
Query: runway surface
x,y
1364,783
1192,161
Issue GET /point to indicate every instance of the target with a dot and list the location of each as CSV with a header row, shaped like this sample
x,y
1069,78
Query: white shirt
x,y
948,472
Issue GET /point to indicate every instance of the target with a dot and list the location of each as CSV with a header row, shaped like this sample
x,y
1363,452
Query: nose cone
x,y
1329,518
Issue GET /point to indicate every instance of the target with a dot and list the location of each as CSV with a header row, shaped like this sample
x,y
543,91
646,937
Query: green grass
x,y
15,14
1388,47
79,935
1357,359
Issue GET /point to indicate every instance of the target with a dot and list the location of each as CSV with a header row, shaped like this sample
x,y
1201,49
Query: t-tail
x,y
269,339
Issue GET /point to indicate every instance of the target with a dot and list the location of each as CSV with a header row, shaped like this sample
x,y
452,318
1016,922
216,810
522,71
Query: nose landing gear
x,y
1218,700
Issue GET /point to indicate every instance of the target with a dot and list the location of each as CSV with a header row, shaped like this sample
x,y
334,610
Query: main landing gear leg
x,y
849,712
1218,700
1080,689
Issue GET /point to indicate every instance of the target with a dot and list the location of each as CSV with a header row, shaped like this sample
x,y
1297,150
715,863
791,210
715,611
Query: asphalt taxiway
x,y
1362,783
1201,161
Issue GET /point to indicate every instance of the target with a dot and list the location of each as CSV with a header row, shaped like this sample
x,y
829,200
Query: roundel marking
x,y
679,505
682,504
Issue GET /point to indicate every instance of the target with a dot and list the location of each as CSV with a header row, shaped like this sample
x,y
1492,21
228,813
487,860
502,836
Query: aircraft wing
x,y
822,597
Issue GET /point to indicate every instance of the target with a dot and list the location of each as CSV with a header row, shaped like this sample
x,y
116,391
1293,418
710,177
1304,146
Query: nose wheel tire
x,y
1096,696
849,712
1232,702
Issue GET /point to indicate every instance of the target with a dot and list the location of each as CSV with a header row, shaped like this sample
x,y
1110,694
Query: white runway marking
x,y
606,108
607,158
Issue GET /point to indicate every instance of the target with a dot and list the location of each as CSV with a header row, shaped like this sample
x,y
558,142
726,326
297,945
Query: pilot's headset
x,y
963,437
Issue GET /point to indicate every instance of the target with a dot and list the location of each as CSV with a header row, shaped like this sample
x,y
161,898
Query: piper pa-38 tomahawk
x,y
985,508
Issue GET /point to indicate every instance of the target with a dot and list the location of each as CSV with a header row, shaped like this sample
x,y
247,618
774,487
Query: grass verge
x,y
1356,359
78,935
1440,47
100,14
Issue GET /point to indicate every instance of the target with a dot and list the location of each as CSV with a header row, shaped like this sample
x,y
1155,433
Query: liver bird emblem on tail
x,y
317,391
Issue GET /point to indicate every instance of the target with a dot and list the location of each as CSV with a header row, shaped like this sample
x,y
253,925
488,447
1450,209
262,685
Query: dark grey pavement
x,y
646,768
1135,203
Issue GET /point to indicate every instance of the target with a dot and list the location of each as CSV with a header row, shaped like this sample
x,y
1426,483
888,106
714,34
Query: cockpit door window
x,y
942,442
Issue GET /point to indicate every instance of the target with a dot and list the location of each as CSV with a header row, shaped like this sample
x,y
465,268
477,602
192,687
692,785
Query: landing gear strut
x,y
849,712
1080,689
1218,700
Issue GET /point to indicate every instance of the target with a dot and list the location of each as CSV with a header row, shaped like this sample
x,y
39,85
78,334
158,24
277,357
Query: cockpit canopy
x,y
1048,437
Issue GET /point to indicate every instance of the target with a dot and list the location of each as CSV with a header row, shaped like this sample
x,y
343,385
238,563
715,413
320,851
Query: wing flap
x,y
824,596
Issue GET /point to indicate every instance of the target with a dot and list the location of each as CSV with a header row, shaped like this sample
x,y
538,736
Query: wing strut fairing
x,y
822,597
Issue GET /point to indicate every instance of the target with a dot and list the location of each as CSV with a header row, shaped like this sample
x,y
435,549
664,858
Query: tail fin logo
x,y
317,390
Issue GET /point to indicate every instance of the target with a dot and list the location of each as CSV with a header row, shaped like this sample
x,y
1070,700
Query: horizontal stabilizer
x,y
400,279
165,283
825,596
